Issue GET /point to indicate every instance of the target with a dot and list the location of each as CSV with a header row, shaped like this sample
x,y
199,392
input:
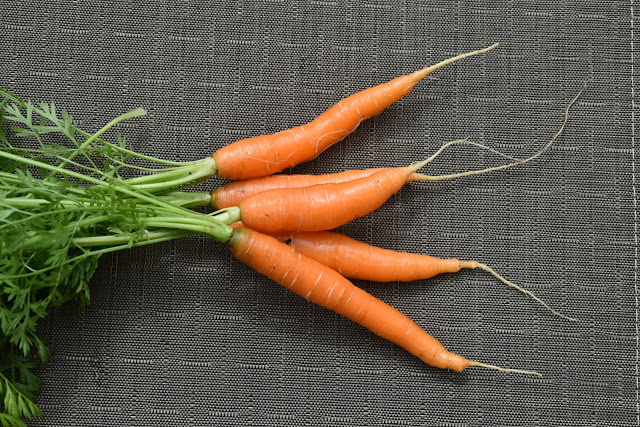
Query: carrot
x,y
327,206
267,154
327,288
320,207
233,193
324,206
359,260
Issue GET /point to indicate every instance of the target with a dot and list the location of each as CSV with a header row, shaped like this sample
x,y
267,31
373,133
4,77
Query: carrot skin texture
x,y
359,260
267,154
233,193
321,207
327,288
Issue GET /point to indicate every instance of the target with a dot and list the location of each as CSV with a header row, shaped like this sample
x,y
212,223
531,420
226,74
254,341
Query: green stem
x,y
188,199
164,176
8,178
145,168
143,242
199,219
99,252
120,185
204,169
196,228
228,215
141,181
12,97
72,229
31,241
24,202
120,240
76,206
207,225
52,168
128,115
52,212
225,217
133,153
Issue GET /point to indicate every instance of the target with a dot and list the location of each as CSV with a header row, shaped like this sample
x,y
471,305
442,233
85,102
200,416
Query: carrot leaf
x,y
65,200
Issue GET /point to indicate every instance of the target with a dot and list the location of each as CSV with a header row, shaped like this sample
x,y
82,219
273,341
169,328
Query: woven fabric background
x,y
182,334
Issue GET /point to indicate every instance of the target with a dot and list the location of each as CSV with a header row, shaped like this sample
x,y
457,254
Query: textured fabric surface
x,y
182,334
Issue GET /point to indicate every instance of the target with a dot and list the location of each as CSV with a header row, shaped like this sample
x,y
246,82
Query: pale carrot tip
x,y
501,167
421,164
509,370
418,165
421,74
475,264
417,177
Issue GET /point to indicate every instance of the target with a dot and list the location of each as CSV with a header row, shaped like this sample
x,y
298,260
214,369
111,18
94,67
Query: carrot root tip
x,y
476,264
501,167
421,74
421,164
508,370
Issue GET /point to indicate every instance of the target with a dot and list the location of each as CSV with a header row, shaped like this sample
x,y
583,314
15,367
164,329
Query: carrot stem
x,y
177,177
121,240
165,175
227,215
128,115
188,199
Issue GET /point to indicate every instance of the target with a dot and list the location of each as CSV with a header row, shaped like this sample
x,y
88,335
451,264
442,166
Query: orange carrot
x,y
235,192
267,154
359,260
325,206
320,207
327,288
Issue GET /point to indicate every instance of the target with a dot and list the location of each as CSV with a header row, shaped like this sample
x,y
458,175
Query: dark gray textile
x,y
182,334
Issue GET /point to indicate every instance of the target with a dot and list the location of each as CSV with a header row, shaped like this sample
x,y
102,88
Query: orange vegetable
x,y
235,192
267,154
326,206
321,207
327,288
359,260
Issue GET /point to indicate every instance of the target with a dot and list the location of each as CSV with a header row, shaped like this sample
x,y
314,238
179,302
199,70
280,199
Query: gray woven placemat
x,y
182,334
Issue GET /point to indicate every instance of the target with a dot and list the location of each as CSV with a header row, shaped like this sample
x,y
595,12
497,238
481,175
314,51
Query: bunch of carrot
x,y
277,224
62,207
284,219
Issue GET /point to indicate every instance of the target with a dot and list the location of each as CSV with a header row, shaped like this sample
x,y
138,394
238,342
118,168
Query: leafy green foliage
x,y
63,205
18,385
31,121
